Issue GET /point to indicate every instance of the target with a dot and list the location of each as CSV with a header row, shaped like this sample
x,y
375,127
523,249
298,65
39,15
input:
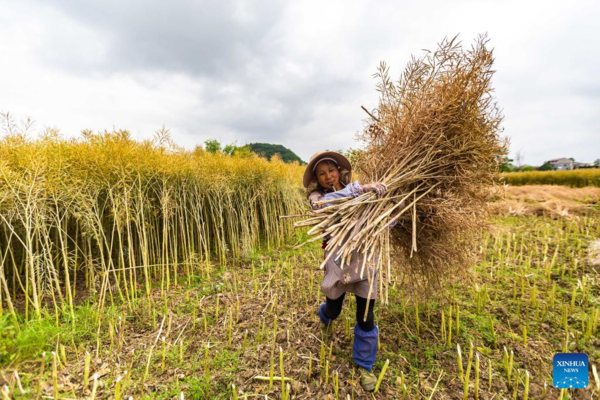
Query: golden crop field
x,y
109,212
572,178
143,270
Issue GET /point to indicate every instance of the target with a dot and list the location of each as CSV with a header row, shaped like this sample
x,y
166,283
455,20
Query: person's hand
x,y
378,187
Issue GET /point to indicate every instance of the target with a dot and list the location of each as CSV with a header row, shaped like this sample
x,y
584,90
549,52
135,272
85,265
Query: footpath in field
x,y
229,331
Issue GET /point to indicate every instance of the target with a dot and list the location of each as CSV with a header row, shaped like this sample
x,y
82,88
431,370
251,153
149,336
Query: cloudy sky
x,y
290,72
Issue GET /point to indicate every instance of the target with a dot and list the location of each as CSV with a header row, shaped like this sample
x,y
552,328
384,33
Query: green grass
x,y
33,337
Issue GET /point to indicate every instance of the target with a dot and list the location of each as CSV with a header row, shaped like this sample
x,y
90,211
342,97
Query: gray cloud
x,y
246,73
196,38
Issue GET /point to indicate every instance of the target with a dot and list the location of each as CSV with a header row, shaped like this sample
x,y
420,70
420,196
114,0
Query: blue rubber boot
x,y
364,352
326,324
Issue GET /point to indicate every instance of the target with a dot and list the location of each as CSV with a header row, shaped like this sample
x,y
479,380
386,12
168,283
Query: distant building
x,y
577,165
561,163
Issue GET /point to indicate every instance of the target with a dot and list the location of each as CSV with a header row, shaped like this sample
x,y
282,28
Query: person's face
x,y
327,174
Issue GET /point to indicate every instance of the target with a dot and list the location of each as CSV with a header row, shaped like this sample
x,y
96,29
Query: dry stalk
x,y
434,141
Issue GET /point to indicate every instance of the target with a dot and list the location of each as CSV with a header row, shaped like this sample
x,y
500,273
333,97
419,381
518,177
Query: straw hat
x,y
309,172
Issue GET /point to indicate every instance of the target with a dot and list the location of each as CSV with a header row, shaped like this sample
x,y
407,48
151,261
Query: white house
x,y
561,163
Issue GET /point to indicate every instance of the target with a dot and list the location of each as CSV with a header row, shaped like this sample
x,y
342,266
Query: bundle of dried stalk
x,y
434,141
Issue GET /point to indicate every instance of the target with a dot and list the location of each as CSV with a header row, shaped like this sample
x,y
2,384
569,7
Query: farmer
x,y
327,177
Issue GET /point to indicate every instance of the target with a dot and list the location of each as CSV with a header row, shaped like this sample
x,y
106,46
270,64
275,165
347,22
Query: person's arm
x,y
353,189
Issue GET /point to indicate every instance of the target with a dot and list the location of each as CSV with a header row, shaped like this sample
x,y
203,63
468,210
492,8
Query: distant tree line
x,y
266,150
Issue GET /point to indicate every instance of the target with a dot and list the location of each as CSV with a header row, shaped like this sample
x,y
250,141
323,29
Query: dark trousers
x,y
333,308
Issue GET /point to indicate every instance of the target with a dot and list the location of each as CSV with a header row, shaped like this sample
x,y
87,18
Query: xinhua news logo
x,y
570,370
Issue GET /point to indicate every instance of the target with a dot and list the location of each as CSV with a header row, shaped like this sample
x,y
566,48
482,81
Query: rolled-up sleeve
x,y
353,189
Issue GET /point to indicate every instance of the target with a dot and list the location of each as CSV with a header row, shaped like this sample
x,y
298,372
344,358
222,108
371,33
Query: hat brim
x,y
340,159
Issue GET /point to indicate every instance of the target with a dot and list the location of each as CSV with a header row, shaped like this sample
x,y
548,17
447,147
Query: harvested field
x,y
533,292
545,200
144,263
594,253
